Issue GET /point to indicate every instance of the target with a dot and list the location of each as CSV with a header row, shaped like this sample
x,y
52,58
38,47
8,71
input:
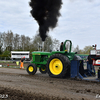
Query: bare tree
x,y
27,43
56,45
8,40
10,36
22,42
48,44
37,43
16,42
1,42
4,40
77,49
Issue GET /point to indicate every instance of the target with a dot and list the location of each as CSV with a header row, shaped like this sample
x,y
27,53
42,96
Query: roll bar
x,y
64,48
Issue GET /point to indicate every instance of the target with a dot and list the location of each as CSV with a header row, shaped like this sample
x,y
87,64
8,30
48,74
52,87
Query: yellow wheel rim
x,y
43,69
30,69
56,66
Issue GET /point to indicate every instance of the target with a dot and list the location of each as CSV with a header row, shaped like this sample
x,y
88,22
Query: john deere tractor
x,y
55,63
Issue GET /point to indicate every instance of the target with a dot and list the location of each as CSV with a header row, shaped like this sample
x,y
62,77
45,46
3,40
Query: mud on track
x,y
18,85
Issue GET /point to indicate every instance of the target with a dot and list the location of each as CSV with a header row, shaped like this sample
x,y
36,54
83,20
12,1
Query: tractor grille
x,y
37,58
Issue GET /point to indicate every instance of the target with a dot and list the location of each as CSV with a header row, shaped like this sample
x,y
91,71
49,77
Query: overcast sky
x,y
80,21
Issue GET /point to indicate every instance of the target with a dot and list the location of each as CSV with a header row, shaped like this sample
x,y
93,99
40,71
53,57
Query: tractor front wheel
x,y
31,69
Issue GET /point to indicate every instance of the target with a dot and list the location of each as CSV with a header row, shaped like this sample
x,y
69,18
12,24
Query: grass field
x,y
10,64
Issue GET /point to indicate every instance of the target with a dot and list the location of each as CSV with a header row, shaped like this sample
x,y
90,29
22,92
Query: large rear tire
x,y
31,69
58,66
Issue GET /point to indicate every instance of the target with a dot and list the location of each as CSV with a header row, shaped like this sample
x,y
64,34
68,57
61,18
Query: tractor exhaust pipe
x,y
43,46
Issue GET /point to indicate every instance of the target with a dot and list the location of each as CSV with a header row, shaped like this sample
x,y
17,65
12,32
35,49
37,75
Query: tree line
x,y
15,42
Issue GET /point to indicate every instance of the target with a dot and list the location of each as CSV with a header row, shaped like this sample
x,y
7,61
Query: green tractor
x,y
56,63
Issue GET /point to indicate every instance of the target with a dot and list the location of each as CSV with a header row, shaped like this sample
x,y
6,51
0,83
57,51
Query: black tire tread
x,y
43,72
34,71
66,65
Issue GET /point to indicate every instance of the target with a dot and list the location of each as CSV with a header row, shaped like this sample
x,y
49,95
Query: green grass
x,y
6,62
13,66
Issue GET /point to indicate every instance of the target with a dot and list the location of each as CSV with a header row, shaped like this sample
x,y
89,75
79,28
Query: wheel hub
x,y
56,66
31,69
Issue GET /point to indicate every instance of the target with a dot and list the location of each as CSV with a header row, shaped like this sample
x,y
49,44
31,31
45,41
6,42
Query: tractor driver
x,y
61,46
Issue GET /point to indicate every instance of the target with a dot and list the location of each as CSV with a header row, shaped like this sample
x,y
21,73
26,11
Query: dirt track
x,y
18,85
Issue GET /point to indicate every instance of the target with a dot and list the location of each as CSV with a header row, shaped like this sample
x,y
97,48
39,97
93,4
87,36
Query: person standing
x,y
90,64
21,63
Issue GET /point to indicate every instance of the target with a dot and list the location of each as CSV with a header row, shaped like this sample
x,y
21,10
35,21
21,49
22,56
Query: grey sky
x,y
80,21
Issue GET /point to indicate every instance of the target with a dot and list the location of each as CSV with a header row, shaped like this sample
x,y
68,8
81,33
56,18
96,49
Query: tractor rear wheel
x,y
43,69
58,66
31,69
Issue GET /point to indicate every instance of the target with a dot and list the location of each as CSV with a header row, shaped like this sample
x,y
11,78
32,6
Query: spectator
x,y
90,66
21,63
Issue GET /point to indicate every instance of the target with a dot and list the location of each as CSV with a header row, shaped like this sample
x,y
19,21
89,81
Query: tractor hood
x,y
41,53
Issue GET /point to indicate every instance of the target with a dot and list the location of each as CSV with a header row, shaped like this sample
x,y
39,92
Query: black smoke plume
x,y
46,13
